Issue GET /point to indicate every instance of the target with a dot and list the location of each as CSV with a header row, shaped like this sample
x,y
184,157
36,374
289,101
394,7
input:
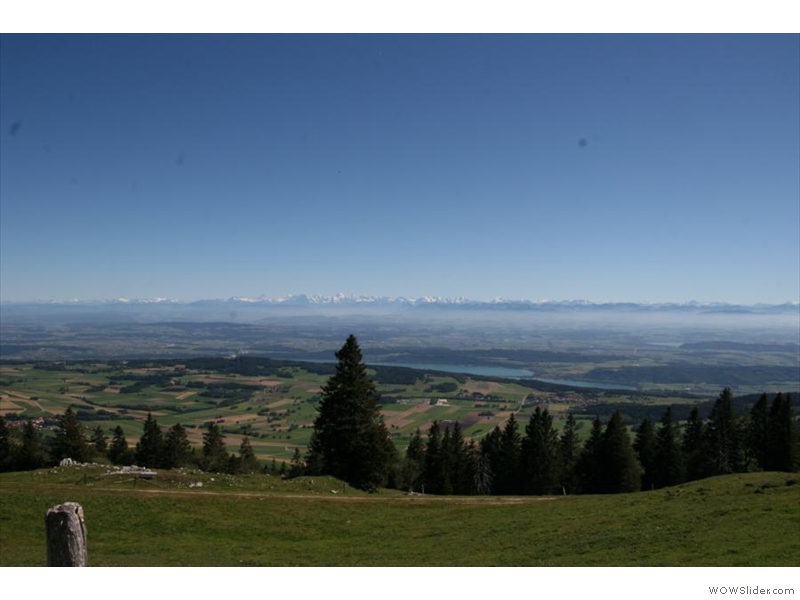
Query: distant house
x,y
441,402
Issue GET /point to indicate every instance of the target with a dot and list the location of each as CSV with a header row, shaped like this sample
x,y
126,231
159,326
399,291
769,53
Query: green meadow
x,y
736,520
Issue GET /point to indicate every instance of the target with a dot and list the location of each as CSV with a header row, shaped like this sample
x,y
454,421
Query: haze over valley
x,y
698,346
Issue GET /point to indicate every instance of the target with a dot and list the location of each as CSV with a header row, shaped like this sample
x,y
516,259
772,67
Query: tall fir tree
x,y
177,449
31,453
669,468
723,439
590,461
150,447
448,458
507,471
620,468
434,473
781,448
99,441
645,446
539,455
490,458
70,440
414,464
247,458
757,432
459,463
350,440
693,446
481,469
118,451
297,467
215,454
568,452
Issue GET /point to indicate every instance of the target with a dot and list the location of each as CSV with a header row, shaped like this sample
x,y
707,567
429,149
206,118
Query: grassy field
x,y
737,520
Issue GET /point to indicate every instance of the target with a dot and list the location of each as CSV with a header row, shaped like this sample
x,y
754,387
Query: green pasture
x,y
736,520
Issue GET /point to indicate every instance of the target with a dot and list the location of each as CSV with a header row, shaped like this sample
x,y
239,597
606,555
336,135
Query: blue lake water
x,y
589,384
489,371
465,369
509,372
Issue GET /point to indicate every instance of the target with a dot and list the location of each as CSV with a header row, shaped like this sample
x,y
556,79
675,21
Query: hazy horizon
x,y
359,298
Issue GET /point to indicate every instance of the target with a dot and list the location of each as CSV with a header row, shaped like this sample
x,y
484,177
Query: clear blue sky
x,y
644,168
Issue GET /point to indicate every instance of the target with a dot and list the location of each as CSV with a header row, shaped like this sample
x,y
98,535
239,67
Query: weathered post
x,y
66,536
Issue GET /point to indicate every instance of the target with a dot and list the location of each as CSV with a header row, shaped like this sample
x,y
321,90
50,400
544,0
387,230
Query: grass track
x,y
738,520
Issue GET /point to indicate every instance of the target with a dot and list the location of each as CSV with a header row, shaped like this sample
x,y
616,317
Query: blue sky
x,y
613,167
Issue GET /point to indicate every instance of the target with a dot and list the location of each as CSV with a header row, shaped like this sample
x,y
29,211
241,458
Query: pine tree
x,y
490,460
757,431
150,447
621,471
645,446
69,439
692,446
434,474
247,458
99,441
668,469
458,466
781,436
177,449
297,467
481,469
414,463
539,454
590,461
215,455
507,474
118,451
568,452
30,453
723,448
448,458
350,440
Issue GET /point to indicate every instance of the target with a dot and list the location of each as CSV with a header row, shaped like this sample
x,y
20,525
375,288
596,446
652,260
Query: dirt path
x,y
471,500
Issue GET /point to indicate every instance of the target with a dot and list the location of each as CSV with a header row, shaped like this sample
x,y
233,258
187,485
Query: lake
x,y
465,369
489,371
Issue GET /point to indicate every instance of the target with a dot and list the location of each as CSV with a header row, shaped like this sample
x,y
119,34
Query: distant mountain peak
x,y
366,301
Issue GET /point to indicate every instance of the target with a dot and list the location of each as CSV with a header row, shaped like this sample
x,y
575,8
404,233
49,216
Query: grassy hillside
x,y
747,520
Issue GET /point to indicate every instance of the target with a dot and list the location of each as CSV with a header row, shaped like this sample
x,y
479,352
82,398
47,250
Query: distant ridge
x,y
346,300
352,304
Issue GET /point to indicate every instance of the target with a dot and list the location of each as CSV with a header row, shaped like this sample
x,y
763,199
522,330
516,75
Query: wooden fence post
x,y
66,536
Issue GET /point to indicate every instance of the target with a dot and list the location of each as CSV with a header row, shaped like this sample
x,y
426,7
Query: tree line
x,y
26,449
351,442
540,461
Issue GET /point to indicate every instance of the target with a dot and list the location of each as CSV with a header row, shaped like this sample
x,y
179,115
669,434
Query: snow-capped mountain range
x,y
348,300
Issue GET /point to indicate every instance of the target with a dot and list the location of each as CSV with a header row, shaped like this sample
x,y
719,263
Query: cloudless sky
x,y
601,167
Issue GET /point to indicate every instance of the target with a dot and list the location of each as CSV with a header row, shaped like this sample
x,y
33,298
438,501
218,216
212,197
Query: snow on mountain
x,y
349,300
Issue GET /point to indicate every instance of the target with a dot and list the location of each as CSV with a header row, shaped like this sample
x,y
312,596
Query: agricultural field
x,y
174,520
274,403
